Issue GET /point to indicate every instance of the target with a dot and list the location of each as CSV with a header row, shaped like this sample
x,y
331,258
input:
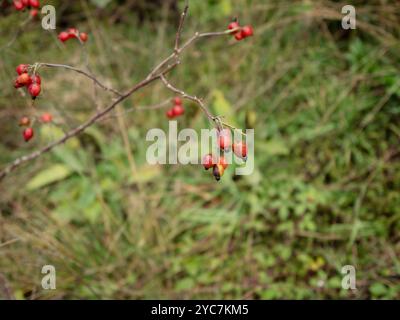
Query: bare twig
x,y
216,119
180,27
176,54
198,35
187,96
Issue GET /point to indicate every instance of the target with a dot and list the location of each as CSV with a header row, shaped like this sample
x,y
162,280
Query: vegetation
x,y
324,103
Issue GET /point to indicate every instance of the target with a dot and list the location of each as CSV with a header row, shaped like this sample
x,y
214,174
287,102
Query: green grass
x,y
324,104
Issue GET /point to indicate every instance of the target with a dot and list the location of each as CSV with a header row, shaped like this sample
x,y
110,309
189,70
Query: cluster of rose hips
x,y
225,143
28,133
240,32
32,82
177,109
73,33
30,4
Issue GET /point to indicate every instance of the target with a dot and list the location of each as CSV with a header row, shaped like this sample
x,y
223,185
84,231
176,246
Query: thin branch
x,y
198,35
162,64
187,96
177,52
180,27
200,102
86,74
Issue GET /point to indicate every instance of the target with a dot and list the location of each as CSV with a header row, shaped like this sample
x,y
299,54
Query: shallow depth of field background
x,y
325,106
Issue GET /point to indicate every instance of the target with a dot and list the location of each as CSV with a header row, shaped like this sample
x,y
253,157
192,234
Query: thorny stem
x,y
155,74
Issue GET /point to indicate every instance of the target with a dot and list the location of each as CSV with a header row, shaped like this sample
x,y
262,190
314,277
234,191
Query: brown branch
x,y
180,27
198,35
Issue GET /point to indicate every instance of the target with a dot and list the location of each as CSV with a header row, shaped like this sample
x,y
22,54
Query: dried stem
x,y
180,27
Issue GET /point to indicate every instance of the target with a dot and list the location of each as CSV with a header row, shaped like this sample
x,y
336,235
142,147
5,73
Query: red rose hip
x,y
22,68
36,79
34,90
24,79
223,162
208,161
28,134
178,101
34,3
170,114
178,110
234,25
24,122
224,139
46,117
18,5
63,36
84,37
247,31
240,150
34,13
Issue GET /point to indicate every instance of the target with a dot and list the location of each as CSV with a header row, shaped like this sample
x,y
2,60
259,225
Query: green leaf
x,y
48,176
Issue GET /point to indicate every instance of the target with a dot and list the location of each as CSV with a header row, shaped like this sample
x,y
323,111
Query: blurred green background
x,y
324,103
